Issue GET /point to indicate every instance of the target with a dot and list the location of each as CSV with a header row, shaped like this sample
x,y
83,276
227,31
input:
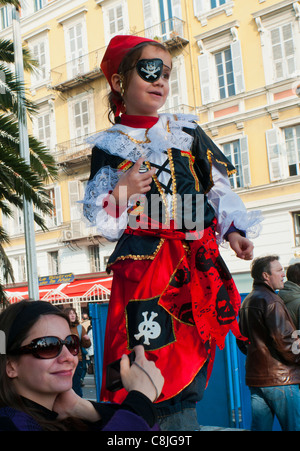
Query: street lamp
x,y
32,274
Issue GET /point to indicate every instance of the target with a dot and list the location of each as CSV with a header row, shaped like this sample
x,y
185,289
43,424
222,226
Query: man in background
x,y
273,351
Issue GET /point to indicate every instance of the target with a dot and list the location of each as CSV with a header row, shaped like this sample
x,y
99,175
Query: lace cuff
x,y
230,210
108,221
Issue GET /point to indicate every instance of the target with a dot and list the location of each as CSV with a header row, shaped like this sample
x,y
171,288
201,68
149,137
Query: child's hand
x,y
133,182
241,246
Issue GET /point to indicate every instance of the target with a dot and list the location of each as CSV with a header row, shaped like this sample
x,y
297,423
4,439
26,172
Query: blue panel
x,y
214,408
98,315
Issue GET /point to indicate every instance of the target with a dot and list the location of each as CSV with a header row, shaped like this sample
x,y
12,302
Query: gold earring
x,y
122,90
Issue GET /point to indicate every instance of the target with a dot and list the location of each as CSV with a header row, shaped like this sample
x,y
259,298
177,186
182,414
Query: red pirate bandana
x,y
118,47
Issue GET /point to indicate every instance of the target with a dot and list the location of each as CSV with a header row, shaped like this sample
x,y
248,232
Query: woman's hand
x,y
144,377
133,182
68,404
241,246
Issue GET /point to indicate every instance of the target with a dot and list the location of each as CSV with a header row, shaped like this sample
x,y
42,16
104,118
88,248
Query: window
x,y
283,145
220,64
82,116
40,50
14,225
115,17
5,17
283,51
44,124
215,3
292,143
44,130
232,152
205,9
76,44
225,73
116,22
237,153
53,263
280,40
177,95
39,4
296,220
55,218
21,268
94,254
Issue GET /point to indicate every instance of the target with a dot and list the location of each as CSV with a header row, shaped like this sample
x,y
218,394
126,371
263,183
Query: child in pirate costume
x,y
159,186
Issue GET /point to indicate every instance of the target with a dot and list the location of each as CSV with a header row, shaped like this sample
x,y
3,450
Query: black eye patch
x,y
150,69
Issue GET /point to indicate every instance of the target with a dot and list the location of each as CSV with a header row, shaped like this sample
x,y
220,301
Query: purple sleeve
x,y
124,420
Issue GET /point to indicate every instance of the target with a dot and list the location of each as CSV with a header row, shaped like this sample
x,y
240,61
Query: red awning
x,y
90,289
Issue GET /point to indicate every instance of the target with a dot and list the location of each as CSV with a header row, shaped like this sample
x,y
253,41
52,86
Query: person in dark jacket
x,y
290,294
273,352
36,378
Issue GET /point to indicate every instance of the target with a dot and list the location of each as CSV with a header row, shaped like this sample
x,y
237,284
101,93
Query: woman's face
x,y
41,380
72,316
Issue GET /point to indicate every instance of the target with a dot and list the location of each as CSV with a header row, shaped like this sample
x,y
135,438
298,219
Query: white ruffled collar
x,y
132,143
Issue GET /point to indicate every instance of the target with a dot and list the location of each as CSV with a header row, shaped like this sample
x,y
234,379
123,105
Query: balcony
x,y
86,68
75,151
82,69
77,230
171,33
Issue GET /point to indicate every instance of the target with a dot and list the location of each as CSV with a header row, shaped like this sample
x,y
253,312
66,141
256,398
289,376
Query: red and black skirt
x,y
179,305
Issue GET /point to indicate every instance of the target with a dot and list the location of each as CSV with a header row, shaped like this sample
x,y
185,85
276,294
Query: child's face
x,y
143,98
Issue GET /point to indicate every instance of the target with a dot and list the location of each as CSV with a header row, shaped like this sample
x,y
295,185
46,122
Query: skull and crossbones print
x,y
150,69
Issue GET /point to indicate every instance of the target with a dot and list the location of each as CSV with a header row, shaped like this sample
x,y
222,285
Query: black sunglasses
x,y
49,347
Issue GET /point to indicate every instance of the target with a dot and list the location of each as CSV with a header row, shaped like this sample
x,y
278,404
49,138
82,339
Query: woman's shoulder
x,y
12,419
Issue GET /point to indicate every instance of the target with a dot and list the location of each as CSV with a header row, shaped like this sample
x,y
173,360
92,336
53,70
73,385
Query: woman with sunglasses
x,y
36,378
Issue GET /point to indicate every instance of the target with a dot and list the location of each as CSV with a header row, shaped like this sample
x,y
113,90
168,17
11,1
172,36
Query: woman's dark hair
x,y
128,63
8,395
67,312
261,265
293,273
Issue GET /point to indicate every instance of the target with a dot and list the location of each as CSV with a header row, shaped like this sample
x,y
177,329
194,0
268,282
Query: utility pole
x,y
32,274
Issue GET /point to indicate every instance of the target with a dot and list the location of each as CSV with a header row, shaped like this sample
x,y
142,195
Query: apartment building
x,y
236,64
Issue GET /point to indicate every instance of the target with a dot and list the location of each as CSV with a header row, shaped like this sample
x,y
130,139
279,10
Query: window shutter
x,y
176,7
237,63
274,155
74,198
245,161
198,7
58,205
205,82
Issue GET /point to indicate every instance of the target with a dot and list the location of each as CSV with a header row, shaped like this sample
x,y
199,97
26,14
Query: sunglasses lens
x,y
50,347
72,343
47,348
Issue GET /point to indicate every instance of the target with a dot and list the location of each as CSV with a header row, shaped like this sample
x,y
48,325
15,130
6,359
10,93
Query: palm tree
x,y
19,180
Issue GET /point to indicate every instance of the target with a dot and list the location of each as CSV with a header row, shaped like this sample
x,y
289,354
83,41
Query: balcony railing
x,y
75,149
171,32
79,70
77,230
87,67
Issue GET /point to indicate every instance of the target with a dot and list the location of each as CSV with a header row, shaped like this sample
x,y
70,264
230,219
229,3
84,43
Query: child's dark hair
x,y
128,63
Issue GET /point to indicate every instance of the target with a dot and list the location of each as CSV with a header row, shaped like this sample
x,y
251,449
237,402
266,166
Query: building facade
x,y
236,64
